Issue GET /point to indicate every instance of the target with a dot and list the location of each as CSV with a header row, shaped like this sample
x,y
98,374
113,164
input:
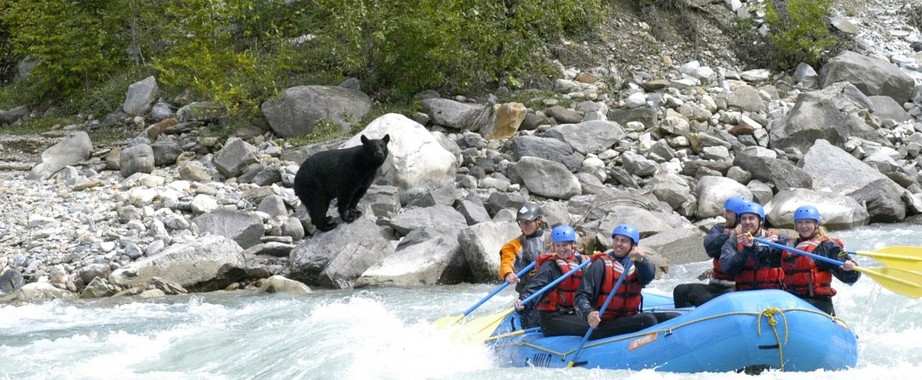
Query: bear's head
x,y
375,150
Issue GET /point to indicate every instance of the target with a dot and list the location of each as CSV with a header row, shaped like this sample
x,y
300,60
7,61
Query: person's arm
x,y
768,257
834,251
646,271
589,288
714,240
731,261
544,276
507,258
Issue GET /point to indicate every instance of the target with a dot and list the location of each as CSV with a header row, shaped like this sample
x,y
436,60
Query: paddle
x,y
898,256
448,321
479,329
899,281
624,272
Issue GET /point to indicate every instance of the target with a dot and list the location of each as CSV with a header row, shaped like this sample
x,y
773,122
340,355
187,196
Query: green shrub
x,y
798,31
74,41
448,45
242,52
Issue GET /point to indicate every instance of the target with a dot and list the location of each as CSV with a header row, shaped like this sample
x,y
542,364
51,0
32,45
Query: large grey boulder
x,y
456,115
202,112
38,292
432,258
872,76
298,109
680,245
209,263
745,97
713,191
140,95
670,188
547,148
137,159
415,156
335,258
646,221
234,157
646,115
780,172
834,113
883,199
546,178
438,217
69,151
885,108
10,280
838,211
11,115
280,284
588,137
835,170
243,227
481,244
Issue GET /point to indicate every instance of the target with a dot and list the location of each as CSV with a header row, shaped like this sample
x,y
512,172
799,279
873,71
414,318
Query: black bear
x,y
344,174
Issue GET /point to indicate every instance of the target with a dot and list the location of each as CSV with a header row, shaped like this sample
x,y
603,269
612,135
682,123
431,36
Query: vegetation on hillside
x,y
241,52
798,31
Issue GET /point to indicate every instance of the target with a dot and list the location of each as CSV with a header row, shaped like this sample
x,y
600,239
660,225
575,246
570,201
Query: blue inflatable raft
x,y
741,331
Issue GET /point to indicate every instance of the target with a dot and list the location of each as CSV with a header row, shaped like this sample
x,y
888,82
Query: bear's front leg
x,y
326,225
348,215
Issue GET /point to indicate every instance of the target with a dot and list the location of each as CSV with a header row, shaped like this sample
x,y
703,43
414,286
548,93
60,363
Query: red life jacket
x,y
801,275
627,298
719,274
752,277
563,296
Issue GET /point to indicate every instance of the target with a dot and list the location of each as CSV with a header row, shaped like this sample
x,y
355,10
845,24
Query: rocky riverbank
x,y
174,210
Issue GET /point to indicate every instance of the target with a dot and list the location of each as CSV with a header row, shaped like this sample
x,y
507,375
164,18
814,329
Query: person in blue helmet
x,y
810,279
696,294
753,266
557,307
623,314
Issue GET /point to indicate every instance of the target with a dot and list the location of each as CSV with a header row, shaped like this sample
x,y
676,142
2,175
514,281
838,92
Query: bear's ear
x,y
364,140
387,138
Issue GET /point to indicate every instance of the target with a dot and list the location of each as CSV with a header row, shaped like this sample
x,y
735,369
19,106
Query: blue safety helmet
x,y
627,230
734,203
563,234
751,208
807,212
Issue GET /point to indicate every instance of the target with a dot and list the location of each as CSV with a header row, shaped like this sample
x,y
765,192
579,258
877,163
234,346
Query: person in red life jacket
x,y
811,279
753,266
696,294
521,251
556,308
623,313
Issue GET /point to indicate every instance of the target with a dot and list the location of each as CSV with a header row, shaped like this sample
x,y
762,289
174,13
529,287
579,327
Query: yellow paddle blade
x,y
479,329
506,335
444,322
902,250
898,256
899,281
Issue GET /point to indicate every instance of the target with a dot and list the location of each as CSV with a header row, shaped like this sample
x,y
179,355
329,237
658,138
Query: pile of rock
x,y
174,211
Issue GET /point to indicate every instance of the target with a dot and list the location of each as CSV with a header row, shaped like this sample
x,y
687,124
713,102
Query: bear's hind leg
x,y
317,209
347,214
